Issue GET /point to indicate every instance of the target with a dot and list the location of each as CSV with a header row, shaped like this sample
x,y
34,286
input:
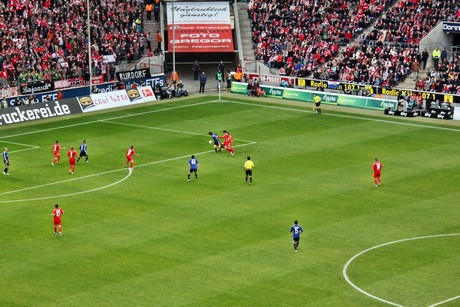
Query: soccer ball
x,y
210,142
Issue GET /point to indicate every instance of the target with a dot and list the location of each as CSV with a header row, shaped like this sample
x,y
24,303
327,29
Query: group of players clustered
x,y
193,165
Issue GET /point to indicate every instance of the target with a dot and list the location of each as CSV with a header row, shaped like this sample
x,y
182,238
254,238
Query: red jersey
x,y
228,139
57,212
130,153
56,148
72,154
377,166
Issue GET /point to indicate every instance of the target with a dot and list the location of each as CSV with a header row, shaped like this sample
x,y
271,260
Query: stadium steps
x,y
151,26
245,31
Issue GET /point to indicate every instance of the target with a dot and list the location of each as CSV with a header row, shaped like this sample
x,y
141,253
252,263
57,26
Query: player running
x,y
83,151
217,145
56,150
228,139
72,154
130,153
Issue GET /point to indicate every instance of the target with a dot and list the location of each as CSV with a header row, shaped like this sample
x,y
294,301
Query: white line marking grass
x,y
112,118
29,147
446,301
345,268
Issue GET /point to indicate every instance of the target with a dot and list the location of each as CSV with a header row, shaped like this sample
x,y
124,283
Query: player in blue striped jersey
x,y
193,167
296,230
217,145
6,161
83,151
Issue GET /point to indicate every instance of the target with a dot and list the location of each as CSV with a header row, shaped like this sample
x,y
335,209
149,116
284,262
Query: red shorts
x,y
130,159
57,221
376,174
57,154
72,161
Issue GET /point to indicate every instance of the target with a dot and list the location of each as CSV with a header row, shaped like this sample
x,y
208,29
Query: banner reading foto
x,y
200,27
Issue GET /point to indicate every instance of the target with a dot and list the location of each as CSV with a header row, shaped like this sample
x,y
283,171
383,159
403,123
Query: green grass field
x,y
151,238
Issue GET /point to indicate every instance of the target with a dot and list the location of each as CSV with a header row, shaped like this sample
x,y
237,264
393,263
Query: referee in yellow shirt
x,y
317,101
248,166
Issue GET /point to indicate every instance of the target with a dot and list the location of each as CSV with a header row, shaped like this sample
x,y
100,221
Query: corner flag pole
x,y
218,88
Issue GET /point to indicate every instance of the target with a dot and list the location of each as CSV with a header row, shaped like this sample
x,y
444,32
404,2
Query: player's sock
x,y
196,176
250,180
55,229
188,177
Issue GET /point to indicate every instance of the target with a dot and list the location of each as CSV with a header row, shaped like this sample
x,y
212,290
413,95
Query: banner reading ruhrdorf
x,y
200,27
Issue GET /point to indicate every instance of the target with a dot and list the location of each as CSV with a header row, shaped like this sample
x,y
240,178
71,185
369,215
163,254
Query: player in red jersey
x,y
57,212
72,154
56,150
228,139
129,157
376,168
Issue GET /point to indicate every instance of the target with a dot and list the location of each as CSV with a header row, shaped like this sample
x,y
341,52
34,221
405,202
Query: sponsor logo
x,y
328,98
275,92
30,113
451,27
36,88
386,105
133,74
133,94
86,102
147,92
322,84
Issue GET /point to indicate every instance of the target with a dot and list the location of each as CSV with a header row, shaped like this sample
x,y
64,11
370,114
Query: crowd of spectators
x,y
307,33
303,38
47,39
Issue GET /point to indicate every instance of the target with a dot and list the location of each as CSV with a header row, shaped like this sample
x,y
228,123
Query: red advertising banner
x,y
201,38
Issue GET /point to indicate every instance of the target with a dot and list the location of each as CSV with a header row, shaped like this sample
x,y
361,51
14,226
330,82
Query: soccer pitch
x,y
150,238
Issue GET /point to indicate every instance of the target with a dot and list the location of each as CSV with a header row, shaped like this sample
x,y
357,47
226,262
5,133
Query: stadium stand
x,y
47,40
367,42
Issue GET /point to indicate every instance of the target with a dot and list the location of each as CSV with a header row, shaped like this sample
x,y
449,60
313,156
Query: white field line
x,y
345,116
116,117
446,301
30,147
345,268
